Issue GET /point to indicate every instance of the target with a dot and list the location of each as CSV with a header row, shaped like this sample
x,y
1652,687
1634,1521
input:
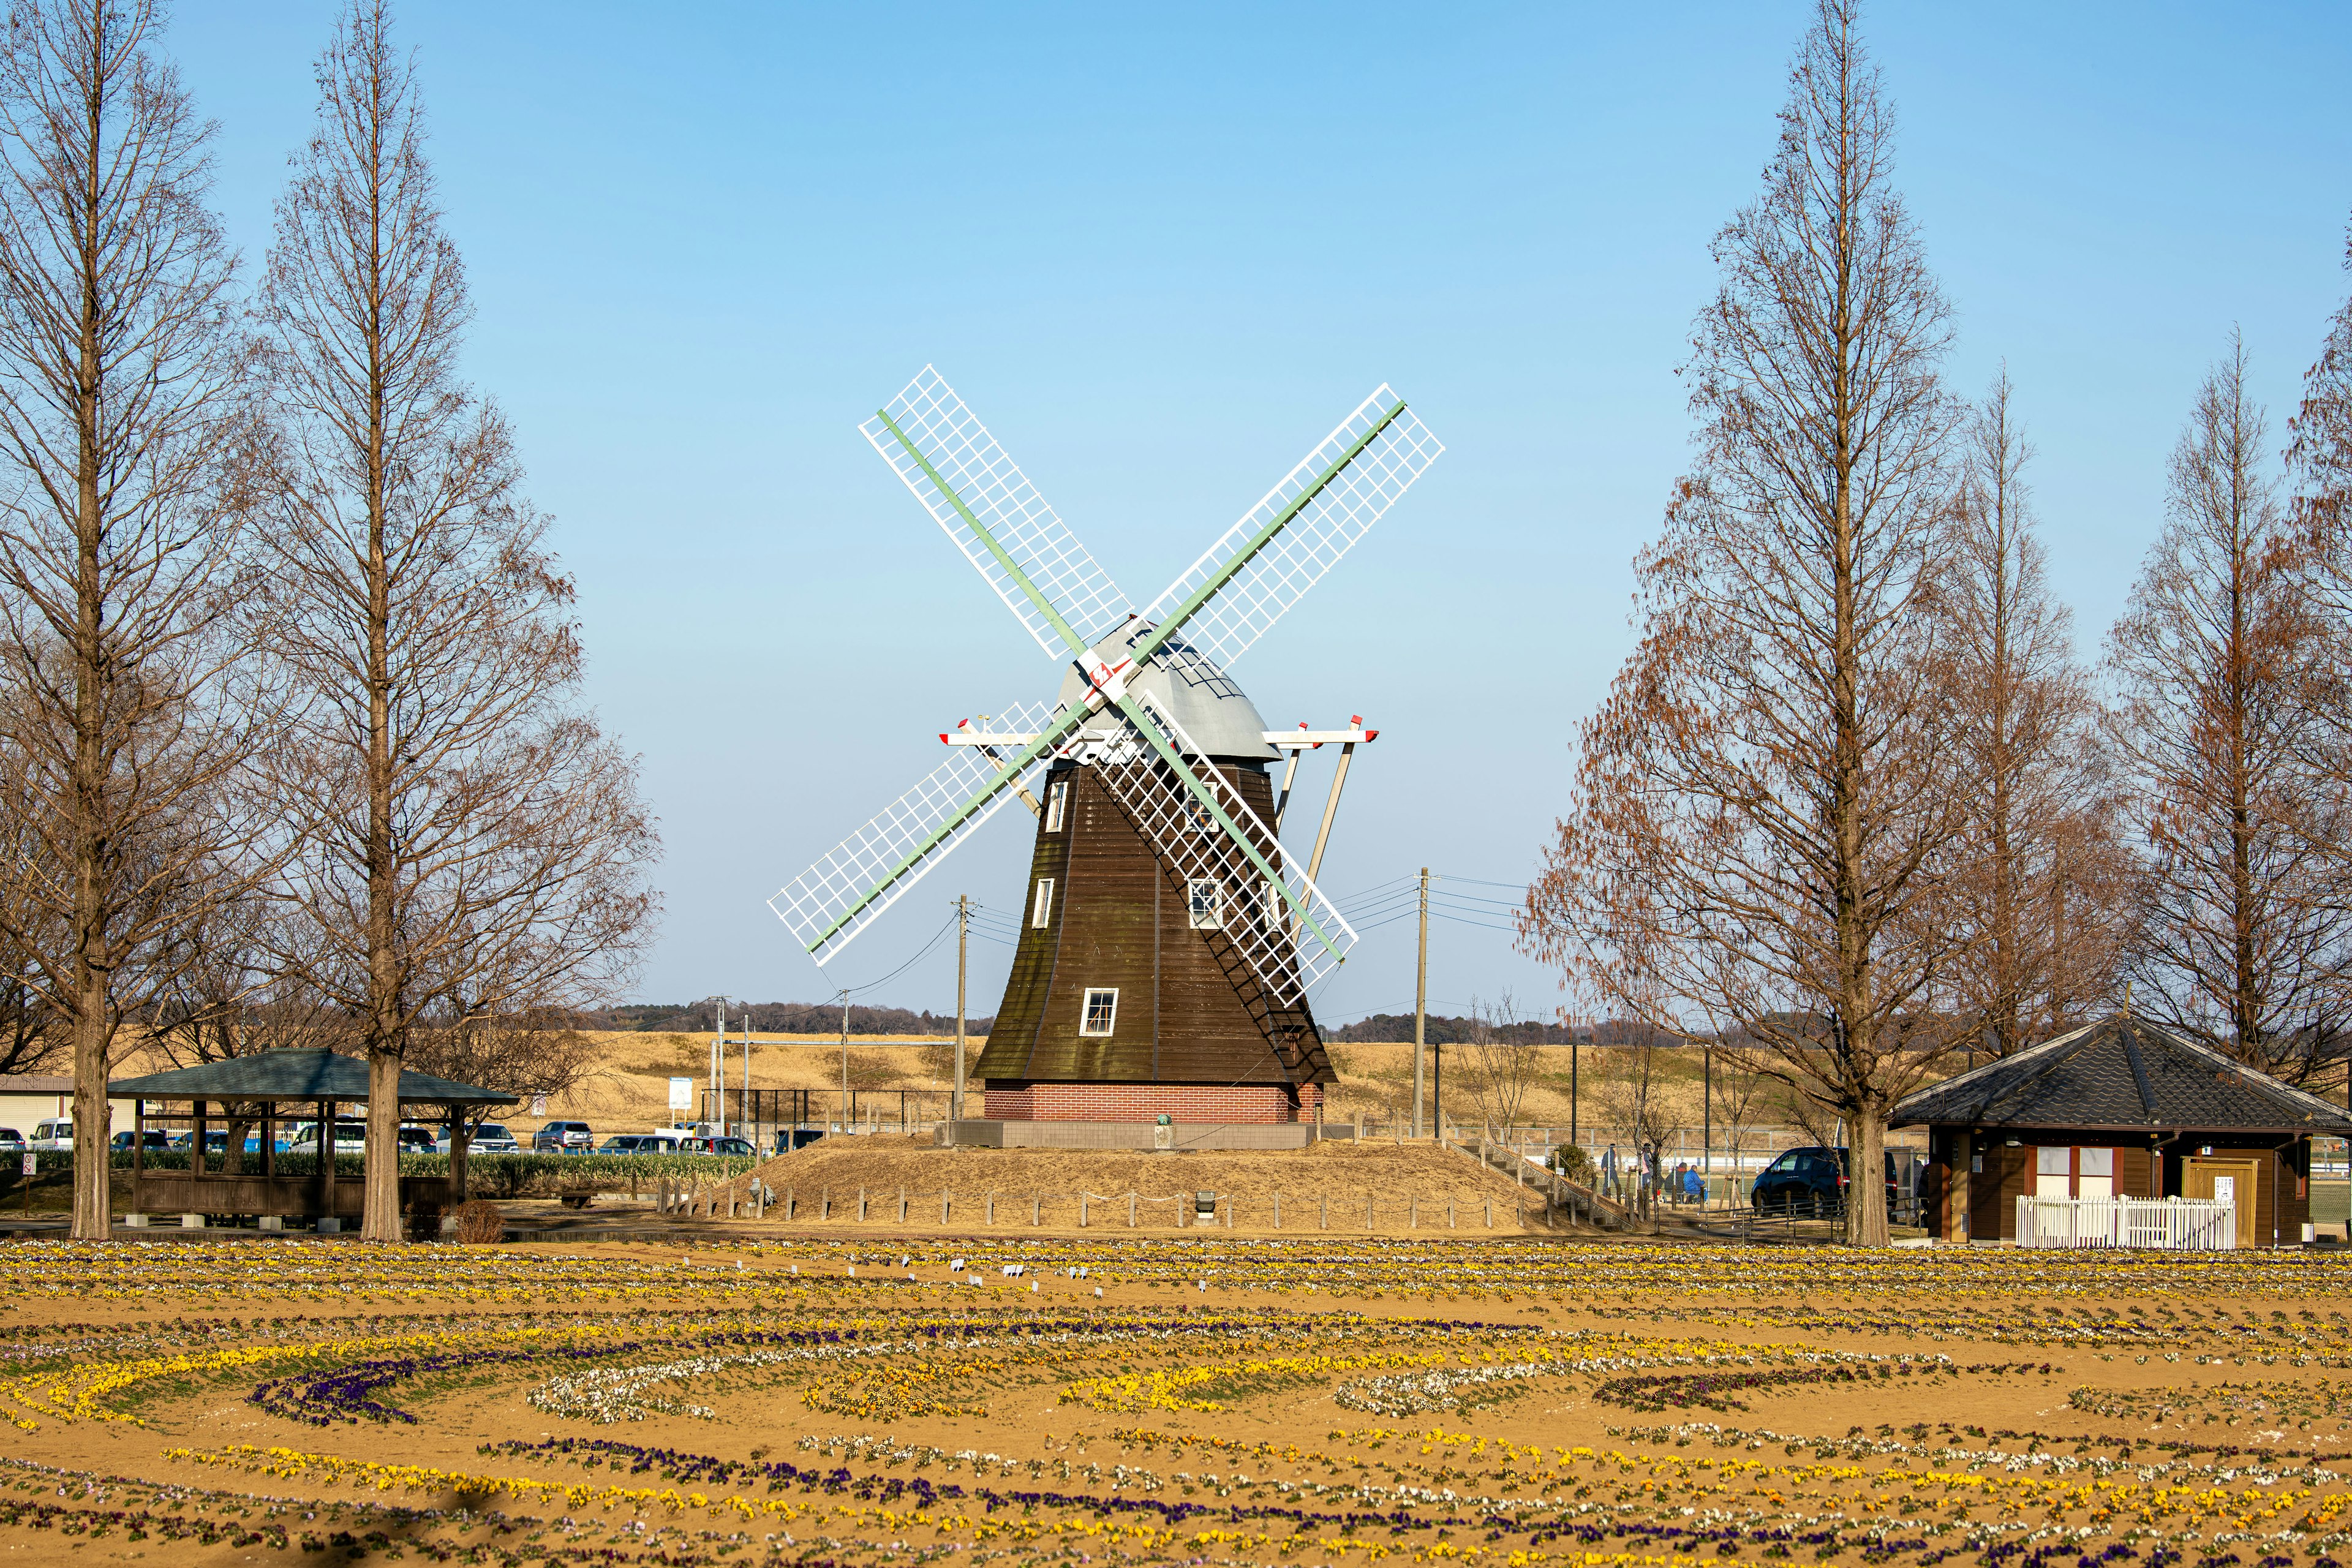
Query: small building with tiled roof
x,y
2118,1108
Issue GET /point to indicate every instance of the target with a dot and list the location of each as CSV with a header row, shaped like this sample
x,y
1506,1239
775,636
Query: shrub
x,y
1575,1163
481,1223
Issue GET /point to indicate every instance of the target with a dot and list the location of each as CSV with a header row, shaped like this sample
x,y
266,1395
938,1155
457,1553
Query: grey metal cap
x,y
1223,721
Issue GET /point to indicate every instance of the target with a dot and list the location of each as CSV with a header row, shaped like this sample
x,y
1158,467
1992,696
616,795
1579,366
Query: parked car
x,y
155,1139
1803,1179
417,1138
54,1134
791,1138
563,1138
489,1138
11,1140
715,1146
635,1143
350,1138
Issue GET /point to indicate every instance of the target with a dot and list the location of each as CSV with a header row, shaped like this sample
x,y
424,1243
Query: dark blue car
x,y
1805,1181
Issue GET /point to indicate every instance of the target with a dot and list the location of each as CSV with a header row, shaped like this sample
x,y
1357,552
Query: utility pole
x,y
845,1062
963,932
718,1061
1574,1045
750,1130
1421,1006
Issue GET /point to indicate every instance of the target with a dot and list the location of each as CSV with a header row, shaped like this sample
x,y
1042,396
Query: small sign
x,y
538,1104
681,1094
32,1164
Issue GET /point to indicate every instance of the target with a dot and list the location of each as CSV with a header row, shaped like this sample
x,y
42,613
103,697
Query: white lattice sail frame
x,y
898,847
1288,958
935,429
1326,528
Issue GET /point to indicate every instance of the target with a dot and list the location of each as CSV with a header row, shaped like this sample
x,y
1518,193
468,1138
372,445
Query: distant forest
x,y
787,1018
818,1018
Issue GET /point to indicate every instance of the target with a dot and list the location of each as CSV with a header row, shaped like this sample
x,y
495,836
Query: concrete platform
x,y
1183,1136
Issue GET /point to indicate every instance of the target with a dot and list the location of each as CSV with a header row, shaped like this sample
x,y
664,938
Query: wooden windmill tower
x,y
1169,941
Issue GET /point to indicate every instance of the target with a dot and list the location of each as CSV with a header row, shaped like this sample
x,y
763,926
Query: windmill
x,y
1168,939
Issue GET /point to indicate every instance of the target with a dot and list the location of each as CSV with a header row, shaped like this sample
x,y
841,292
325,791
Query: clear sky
x,y
1162,251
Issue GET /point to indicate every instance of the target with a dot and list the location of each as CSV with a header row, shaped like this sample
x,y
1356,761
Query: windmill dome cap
x,y
1223,721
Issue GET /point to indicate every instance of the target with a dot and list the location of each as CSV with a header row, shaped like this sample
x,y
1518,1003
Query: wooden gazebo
x,y
319,1080
2119,1110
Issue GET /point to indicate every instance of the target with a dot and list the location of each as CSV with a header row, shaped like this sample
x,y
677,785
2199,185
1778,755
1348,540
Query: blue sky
x,y
1162,251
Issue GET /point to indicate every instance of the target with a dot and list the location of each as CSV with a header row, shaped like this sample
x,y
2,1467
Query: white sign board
x,y
681,1094
32,1164
538,1104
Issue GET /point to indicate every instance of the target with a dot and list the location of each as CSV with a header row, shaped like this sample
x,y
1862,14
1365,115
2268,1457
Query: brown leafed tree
x,y
120,379
2321,453
2038,895
2322,449
2241,932
483,848
1766,792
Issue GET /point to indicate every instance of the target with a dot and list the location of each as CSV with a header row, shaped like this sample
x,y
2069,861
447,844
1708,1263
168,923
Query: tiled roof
x,y
2121,1072
295,1075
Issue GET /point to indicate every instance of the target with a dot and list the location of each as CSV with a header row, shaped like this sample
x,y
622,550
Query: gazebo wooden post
x,y
325,1176
138,1146
269,1141
461,1138
196,1145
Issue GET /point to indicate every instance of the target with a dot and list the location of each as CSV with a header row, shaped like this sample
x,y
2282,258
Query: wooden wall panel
x,y
1121,920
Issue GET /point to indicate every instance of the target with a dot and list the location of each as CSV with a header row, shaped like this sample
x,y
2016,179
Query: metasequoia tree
x,y
2039,886
2322,450
481,850
1764,796
2241,929
2321,458
119,380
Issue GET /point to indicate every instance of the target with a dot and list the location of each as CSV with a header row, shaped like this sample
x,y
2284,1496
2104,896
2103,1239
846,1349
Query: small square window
x,y
1270,904
1101,1012
1208,902
1057,802
1042,905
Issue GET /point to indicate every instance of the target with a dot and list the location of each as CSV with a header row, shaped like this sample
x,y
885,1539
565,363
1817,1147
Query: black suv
x,y
1802,1181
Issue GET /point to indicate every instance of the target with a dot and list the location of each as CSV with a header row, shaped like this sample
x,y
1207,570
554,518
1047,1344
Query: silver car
x,y
489,1138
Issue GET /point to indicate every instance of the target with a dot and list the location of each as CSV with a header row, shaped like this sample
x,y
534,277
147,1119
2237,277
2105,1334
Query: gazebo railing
x,y
2168,1224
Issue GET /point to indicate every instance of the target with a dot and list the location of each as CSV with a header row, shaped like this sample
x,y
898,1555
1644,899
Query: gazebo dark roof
x,y
2122,1073
295,1075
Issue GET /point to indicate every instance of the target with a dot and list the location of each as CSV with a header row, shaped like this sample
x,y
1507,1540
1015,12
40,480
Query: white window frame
x,y
1086,1012
1057,803
1215,918
1041,904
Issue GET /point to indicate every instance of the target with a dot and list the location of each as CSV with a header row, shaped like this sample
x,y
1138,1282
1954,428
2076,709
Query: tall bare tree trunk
x,y
1763,804
481,860
118,374
2243,928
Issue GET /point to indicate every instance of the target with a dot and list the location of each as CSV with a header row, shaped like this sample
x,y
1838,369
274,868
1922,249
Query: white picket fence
x,y
2172,1225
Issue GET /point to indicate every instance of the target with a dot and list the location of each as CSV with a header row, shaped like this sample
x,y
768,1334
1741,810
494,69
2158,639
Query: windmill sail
x,y
1287,931
990,512
1266,562
826,906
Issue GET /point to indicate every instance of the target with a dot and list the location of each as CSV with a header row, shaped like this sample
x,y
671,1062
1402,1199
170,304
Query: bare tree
x,y
1766,794
2038,894
2242,933
120,380
1505,1059
482,849
2322,459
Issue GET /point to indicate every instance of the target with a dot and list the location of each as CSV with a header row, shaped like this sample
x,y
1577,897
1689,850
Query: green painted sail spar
x,y
1133,709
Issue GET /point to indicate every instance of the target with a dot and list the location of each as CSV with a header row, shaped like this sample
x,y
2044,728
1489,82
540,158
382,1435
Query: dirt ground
x,y
1323,1188
1203,1399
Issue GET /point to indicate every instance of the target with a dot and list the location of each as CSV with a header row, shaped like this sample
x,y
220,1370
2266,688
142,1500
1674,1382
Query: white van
x,y
54,1134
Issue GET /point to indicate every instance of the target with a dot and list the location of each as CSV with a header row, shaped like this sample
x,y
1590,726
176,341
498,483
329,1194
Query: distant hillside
x,y
783,1018
1391,1028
